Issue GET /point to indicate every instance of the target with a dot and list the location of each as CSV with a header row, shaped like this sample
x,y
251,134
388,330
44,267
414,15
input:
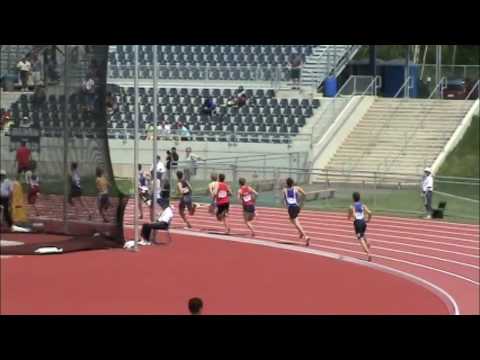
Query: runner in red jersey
x,y
222,195
247,196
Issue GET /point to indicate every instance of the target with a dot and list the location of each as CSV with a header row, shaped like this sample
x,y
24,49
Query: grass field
x,y
464,160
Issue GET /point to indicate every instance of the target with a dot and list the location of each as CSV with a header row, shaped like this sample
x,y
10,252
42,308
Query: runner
x,y
211,189
186,200
76,190
103,201
33,184
291,201
222,193
143,193
247,196
357,211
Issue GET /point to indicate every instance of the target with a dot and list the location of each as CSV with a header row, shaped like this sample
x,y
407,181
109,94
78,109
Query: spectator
x,y
208,107
168,163
191,166
23,158
26,122
159,169
295,64
174,155
185,134
427,191
5,118
39,97
25,68
6,190
238,99
167,130
241,100
51,65
110,104
163,223
195,306
88,88
36,71
150,129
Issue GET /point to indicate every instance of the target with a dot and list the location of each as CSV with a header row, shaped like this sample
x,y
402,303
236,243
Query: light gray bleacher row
x,y
208,62
213,55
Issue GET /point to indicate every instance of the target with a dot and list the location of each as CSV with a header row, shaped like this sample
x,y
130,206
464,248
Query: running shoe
x,y
16,228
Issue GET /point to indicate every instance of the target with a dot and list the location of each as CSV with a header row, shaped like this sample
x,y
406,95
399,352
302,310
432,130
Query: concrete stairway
x,y
399,136
324,59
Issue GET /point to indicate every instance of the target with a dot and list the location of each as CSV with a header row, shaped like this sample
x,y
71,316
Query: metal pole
x,y
135,151
406,91
66,131
438,64
155,119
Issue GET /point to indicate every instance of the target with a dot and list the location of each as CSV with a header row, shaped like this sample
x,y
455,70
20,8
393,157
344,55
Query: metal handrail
x,y
407,81
442,85
477,85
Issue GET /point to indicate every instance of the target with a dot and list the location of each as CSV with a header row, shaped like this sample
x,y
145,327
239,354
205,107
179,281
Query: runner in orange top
x,y
247,196
222,193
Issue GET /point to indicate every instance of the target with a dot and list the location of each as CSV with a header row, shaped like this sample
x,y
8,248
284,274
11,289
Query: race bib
x,y
186,190
291,201
222,194
247,198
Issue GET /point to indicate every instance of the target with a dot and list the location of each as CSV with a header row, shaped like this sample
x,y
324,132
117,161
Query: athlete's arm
x,y
180,187
369,213
350,213
239,198
215,190
284,198
302,197
253,191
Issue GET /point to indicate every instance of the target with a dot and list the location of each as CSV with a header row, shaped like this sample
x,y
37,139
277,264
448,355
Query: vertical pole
x,y
406,91
66,131
155,119
438,62
135,150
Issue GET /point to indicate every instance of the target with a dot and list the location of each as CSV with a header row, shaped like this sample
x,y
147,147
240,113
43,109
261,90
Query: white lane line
x,y
444,295
319,236
275,240
439,233
328,230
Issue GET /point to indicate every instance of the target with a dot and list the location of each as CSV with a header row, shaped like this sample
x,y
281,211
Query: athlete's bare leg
x,y
365,247
140,207
299,227
248,221
225,223
184,218
80,200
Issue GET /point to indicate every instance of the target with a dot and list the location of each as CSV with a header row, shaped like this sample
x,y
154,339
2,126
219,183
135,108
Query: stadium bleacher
x,y
212,62
263,119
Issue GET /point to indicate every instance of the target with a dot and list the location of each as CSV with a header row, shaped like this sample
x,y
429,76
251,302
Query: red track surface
x,y
243,278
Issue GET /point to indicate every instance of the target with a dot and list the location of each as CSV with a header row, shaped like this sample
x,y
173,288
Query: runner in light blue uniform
x,y
291,195
357,212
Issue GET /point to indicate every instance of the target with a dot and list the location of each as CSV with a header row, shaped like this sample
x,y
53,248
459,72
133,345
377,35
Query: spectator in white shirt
x,y
89,90
191,166
159,169
163,223
427,191
5,197
25,68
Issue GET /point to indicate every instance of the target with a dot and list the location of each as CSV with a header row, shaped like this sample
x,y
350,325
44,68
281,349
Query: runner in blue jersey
x,y
293,198
357,211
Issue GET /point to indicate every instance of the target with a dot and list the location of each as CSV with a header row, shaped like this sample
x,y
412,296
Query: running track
x,y
444,254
